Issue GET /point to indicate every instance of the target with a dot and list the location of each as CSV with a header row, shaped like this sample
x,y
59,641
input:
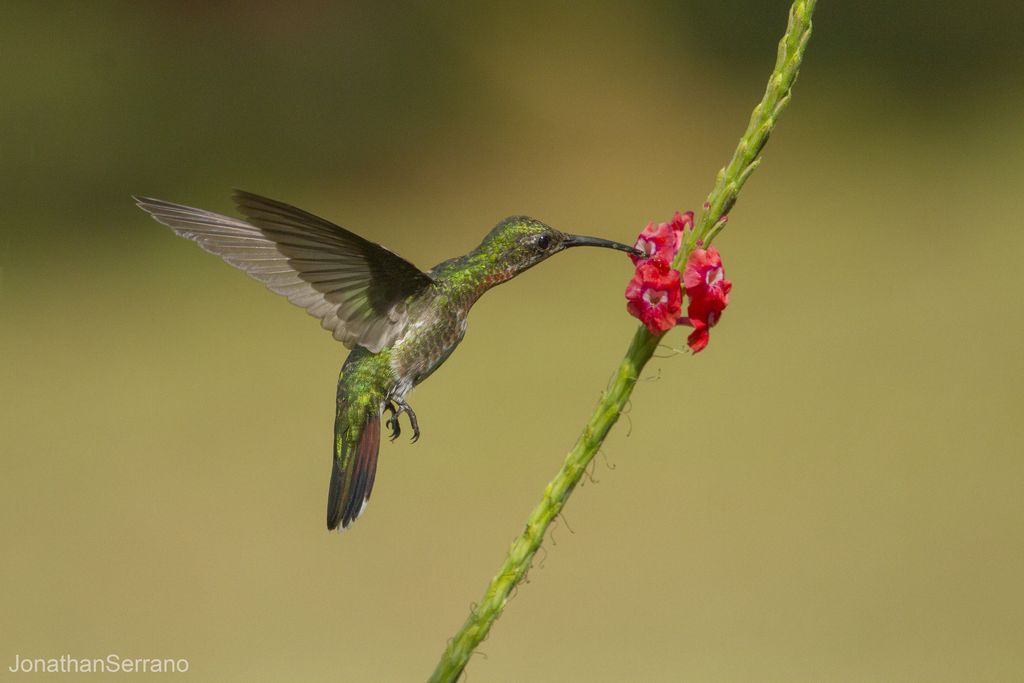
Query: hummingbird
x,y
400,323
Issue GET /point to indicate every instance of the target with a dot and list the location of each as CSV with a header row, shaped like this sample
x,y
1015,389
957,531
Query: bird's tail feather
x,y
357,441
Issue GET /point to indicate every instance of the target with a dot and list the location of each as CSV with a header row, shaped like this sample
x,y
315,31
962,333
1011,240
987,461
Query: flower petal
x,y
698,339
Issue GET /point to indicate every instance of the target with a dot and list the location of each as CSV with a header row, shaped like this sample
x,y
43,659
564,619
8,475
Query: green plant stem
x,y
746,158
721,199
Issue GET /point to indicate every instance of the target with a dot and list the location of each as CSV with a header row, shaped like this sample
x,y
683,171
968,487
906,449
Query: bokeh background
x,y
832,491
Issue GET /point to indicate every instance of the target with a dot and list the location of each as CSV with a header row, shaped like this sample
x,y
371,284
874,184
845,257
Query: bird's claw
x,y
392,422
397,408
414,423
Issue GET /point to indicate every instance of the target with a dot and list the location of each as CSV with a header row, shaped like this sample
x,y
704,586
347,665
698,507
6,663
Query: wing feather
x,y
358,289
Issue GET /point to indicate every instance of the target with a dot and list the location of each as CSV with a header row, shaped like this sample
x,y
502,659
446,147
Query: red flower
x,y
708,291
682,222
663,241
698,339
659,241
654,295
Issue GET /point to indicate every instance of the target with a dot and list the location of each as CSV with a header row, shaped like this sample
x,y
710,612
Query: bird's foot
x,y
392,422
412,421
397,407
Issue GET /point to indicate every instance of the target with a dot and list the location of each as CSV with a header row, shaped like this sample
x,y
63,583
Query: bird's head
x,y
520,242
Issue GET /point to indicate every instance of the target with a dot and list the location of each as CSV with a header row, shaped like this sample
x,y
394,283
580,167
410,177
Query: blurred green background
x,y
832,491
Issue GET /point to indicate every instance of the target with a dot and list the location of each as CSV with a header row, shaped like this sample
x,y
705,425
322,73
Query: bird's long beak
x,y
583,241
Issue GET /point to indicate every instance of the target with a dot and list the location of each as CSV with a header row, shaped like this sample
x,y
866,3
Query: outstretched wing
x,y
357,288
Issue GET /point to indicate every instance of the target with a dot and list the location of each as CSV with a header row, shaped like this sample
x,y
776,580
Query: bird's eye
x,y
543,241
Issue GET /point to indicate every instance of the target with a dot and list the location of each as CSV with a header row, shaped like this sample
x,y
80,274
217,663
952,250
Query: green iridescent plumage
x,y
401,323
